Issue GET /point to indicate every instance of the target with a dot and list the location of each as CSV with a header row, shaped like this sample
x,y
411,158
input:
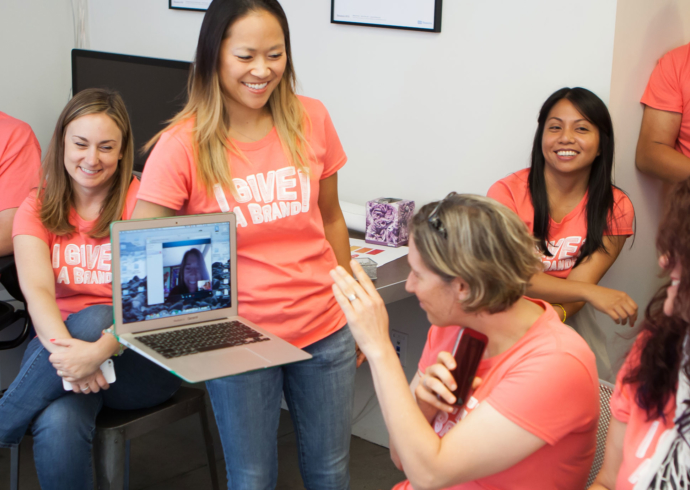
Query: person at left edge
x,y
20,168
246,143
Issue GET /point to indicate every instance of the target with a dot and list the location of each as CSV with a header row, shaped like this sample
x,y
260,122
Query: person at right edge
x,y
663,148
647,443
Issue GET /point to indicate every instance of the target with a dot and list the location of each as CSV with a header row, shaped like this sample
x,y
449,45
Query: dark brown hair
x,y
656,376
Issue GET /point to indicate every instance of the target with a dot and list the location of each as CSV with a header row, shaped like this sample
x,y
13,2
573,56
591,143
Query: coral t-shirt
x,y
567,237
547,384
668,90
20,161
283,257
81,264
641,435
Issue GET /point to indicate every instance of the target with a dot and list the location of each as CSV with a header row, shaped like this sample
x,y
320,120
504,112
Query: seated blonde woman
x,y
532,421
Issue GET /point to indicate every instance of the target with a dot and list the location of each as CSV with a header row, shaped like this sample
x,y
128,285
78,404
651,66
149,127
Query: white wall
x,y
644,32
36,37
460,105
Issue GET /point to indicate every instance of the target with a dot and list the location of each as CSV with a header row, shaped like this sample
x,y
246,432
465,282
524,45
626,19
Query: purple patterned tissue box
x,y
388,220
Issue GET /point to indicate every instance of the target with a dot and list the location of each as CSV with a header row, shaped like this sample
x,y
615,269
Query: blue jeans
x,y
319,393
63,423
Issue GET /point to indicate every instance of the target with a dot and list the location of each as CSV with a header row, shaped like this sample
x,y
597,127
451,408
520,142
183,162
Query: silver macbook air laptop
x,y
175,298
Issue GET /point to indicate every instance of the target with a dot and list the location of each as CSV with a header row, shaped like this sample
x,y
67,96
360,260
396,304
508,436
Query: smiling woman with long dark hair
x,y
579,218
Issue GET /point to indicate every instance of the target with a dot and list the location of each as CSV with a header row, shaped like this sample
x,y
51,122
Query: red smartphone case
x,y
468,353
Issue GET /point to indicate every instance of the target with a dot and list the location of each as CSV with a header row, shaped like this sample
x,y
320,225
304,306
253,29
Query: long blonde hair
x,y
206,106
55,191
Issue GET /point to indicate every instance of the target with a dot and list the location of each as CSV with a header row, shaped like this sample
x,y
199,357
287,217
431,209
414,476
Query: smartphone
x,y
468,352
108,370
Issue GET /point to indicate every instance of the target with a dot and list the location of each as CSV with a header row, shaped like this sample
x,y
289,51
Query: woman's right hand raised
x,y
616,304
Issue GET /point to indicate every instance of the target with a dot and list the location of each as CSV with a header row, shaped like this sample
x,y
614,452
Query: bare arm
x,y
145,209
428,411
37,281
433,463
38,286
335,230
613,457
6,219
581,286
656,147
592,269
333,221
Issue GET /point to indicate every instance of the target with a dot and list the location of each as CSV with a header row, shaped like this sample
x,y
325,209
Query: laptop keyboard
x,y
178,343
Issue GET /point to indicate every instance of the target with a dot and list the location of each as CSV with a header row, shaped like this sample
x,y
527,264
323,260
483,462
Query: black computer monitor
x,y
154,90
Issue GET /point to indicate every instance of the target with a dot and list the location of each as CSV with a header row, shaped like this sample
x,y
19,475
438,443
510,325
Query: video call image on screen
x,y
174,271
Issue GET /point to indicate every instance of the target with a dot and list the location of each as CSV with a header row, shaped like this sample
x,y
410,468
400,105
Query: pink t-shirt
x,y
668,89
567,237
81,264
641,434
283,257
547,384
20,161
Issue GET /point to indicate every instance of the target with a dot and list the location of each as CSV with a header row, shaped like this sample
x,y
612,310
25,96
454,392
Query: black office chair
x,y
115,429
8,315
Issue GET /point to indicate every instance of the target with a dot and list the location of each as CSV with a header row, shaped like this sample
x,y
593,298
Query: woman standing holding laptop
x,y
246,143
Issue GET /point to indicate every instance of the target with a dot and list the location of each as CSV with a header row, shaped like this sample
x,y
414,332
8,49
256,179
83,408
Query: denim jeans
x,y
319,393
62,422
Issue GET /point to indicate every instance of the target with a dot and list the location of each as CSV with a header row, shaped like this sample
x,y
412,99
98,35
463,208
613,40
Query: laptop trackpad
x,y
220,363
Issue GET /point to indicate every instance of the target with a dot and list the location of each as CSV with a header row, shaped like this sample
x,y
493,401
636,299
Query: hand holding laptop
x,y
175,298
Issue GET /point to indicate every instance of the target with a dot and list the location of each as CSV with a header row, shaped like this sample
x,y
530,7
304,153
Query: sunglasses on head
x,y
435,221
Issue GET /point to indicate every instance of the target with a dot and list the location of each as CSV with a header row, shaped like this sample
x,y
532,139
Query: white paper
x,y
190,4
417,14
387,254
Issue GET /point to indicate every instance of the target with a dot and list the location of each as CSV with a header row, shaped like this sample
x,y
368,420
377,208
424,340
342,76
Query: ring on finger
x,y
352,297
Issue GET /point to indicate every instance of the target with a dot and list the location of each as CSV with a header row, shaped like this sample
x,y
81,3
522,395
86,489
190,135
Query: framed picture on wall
x,y
416,15
189,4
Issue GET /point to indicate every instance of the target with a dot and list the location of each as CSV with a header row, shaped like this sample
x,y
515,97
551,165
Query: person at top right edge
x,y
579,218
663,148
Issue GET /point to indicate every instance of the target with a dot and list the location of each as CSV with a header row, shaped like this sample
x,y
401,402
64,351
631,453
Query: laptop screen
x,y
174,270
